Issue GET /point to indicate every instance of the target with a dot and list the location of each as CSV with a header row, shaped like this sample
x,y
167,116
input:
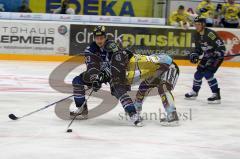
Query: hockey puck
x,y
12,116
69,130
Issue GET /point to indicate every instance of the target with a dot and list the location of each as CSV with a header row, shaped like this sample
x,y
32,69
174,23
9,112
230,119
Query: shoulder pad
x,y
111,46
212,35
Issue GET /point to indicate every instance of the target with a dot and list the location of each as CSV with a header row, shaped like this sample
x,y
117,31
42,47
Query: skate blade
x,y
170,124
79,117
140,124
191,98
214,102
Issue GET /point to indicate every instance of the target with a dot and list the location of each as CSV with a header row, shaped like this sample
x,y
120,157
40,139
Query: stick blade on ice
x,y
12,116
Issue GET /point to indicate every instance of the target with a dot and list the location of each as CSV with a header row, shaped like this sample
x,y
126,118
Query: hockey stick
x,y
232,55
81,108
14,117
229,56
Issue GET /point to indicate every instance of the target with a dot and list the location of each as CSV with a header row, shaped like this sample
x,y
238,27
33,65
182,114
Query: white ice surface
x,y
212,133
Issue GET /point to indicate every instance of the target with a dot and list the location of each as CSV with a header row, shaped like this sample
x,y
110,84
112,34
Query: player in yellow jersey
x,y
180,18
157,70
231,14
206,9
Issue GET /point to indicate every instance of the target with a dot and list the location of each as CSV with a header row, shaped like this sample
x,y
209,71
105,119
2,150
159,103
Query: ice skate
x,y
191,95
81,112
215,98
170,120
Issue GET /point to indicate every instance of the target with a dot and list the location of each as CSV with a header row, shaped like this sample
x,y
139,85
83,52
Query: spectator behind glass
x,y
230,13
206,9
24,8
180,18
64,9
2,8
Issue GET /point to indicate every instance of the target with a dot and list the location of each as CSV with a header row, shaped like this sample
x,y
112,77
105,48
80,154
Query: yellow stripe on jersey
x,y
131,70
142,67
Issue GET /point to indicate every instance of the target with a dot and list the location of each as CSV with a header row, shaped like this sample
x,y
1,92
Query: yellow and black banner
x,y
133,8
147,41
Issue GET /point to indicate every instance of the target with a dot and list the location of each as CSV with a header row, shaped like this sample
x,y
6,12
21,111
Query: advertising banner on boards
x,y
142,40
34,38
133,8
177,43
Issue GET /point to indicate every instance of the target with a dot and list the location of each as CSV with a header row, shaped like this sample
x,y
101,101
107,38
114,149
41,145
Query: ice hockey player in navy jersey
x,y
98,60
210,47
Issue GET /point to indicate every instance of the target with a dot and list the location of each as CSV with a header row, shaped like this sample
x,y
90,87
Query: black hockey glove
x,y
97,83
100,79
194,57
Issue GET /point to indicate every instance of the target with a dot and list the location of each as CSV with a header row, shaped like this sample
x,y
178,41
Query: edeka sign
x,y
11,5
175,42
138,8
